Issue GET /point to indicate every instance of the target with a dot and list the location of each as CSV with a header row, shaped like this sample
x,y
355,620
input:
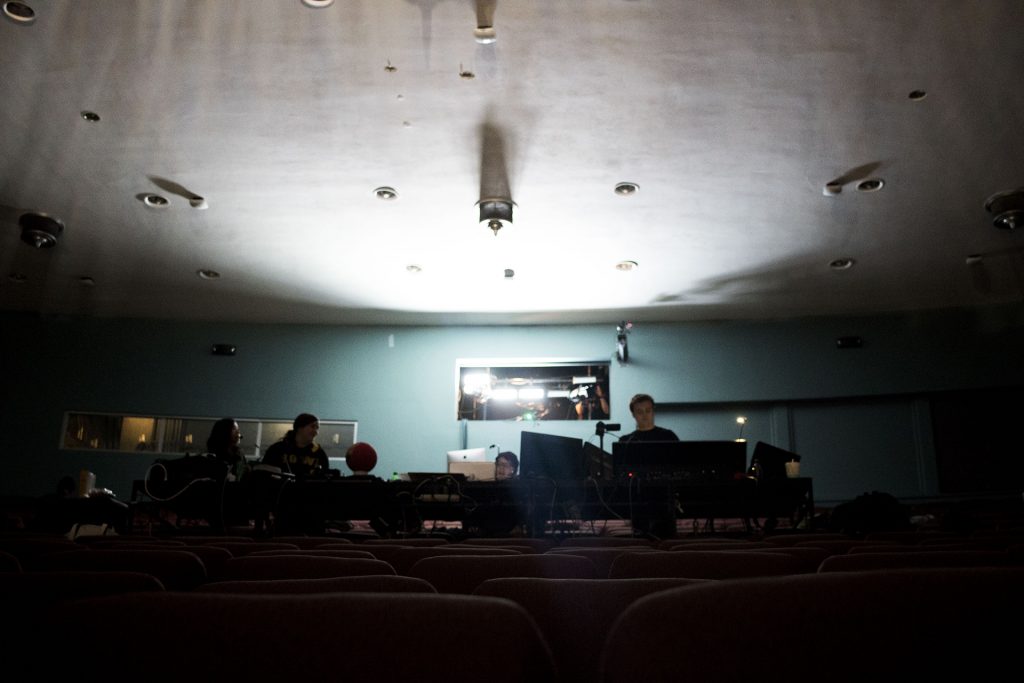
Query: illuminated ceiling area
x,y
508,161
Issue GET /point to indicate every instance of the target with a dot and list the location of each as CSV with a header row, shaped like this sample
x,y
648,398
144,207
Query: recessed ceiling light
x,y
154,201
841,264
385,193
870,185
317,4
40,230
413,268
626,266
626,189
90,116
19,13
86,281
207,274
832,188
18,278
917,95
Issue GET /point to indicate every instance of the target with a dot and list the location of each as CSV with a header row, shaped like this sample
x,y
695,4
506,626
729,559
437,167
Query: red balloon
x,y
361,457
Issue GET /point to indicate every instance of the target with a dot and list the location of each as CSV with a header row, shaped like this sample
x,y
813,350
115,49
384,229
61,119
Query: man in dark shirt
x,y
642,407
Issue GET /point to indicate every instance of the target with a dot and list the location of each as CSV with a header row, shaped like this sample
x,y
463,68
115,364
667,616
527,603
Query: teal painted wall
x,y
858,417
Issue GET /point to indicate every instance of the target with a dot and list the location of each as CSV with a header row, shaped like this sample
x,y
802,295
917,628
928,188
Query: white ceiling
x,y
730,115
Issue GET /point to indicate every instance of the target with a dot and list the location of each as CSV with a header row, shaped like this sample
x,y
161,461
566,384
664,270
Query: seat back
x,y
463,573
860,562
176,569
575,615
337,636
317,552
931,624
376,583
254,568
404,558
705,564
602,557
245,548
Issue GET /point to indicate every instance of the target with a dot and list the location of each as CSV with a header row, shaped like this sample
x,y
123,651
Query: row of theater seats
x,y
512,609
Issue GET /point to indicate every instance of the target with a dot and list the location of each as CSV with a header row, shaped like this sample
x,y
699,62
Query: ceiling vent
x,y
40,230
1007,209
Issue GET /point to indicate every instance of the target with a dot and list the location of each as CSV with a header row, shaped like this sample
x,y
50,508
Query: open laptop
x,y
474,471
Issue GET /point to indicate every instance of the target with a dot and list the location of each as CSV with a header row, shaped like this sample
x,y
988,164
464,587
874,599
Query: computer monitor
x,y
549,456
696,461
468,455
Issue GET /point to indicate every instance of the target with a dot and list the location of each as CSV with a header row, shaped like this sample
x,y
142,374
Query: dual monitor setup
x,y
562,458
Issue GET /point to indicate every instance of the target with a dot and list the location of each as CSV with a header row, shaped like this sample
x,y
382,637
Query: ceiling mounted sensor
x,y
39,230
19,13
871,185
317,4
1007,209
495,192
496,213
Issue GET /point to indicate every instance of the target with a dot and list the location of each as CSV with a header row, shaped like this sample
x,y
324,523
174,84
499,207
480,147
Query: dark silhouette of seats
x,y
375,583
602,542
309,542
334,636
860,562
245,548
9,563
705,564
253,567
176,569
845,627
603,558
463,573
575,615
538,544
317,552
403,559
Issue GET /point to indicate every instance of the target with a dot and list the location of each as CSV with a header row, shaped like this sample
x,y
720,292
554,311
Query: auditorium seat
x,y
213,557
904,625
36,590
801,537
603,542
719,544
338,636
409,541
177,570
704,564
575,615
376,583
836,547
307,542
810,558
244,548
27,549
939,558
251,567
317,552
522,549
538,544
9,563
404,558
463,573
203,540
602,557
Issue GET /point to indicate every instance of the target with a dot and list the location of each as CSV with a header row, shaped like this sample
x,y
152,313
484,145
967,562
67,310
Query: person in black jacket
x,y
298,452
642,407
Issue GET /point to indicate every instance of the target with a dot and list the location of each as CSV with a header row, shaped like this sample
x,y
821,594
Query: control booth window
x,y
525,391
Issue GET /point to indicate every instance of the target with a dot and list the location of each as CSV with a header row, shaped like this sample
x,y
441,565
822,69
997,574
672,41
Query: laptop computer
x,y
474,471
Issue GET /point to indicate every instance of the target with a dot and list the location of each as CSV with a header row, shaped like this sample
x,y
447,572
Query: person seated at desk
x,y
642,408
506,466
298,452
223,444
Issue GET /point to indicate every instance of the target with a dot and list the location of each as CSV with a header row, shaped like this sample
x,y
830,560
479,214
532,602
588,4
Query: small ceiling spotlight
x,y
39,230
1007,209
871,185
917,95
198,202
19,13
385,193
626,189
832,188
86,281
207,274
154,201
485,35
841,264
90,116
496,213
413,268
317,4
626,266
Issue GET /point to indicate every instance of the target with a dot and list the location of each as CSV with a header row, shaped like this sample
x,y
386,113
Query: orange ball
x,y
361,457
